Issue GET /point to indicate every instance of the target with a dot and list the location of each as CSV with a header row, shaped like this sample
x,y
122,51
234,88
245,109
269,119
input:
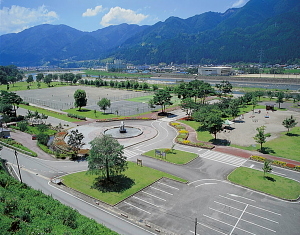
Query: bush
x,y
297,168
279,163
22,126
76,116
42,138
167,151
258,158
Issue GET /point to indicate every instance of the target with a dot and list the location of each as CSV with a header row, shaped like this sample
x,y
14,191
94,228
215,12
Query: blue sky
x,y
90,15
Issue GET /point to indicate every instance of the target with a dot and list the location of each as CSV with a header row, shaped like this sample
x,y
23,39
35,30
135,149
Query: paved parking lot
x,y
220,208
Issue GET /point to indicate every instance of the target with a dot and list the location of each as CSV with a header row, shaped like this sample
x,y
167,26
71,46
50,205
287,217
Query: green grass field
x,y
280,187
50,113
177,157
90,113
20,86
142,177
285,146
201,135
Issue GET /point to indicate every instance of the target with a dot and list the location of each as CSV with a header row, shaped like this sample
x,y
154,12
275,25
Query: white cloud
x,y
239,3
92,12
118,15
17,18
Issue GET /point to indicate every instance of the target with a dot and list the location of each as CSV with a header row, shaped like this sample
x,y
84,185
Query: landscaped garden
x,y
272,184
135,178
172,155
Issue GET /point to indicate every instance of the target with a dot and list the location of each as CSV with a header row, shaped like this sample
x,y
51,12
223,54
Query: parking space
x,y
153,198
234,214
220,208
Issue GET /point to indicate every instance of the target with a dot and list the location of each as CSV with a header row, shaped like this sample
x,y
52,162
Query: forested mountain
x,y
269,27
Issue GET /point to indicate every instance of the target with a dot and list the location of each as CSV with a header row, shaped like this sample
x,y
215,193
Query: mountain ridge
x,y
238,34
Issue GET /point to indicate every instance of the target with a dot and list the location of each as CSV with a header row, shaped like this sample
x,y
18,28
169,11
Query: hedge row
x,y
276,163
76,116
184,134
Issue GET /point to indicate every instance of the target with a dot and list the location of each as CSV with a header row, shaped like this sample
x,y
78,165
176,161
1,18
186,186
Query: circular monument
x,y
117,134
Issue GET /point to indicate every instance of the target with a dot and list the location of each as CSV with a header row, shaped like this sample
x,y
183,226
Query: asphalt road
x,y
219,206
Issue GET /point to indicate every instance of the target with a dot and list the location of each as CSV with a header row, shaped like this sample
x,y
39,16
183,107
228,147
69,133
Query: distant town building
x,y
221,71
116,65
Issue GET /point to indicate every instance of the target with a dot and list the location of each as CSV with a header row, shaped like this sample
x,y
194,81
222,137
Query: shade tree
x,y
80,98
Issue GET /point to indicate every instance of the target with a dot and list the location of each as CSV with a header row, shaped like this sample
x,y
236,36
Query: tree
x,y
48,79
289,123
106,157
39,77
261,136
75,141
280,96
188,105
151,104
213,123
224,87
12,99
29,79
104,103
80,98
163,98
267,168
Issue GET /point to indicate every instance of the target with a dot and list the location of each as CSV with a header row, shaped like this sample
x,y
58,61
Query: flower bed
x,y
184,134
276,163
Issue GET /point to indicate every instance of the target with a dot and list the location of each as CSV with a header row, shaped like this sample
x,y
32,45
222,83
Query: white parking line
x,y
168,185
238,220
145,201
137,207
204,184
250,205
154,196
228,224
234,195
246,212
161,190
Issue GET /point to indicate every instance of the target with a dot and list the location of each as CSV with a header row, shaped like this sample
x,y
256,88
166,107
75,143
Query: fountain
x,y
122,128
122,133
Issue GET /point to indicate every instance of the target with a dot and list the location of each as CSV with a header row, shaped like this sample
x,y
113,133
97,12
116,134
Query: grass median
x,y
140,176
271,184
177,156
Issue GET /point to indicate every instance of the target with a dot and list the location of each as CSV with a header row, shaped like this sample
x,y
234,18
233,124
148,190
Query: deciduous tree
x,y
106,157
103,104
80,98
289,123
261,136
75,141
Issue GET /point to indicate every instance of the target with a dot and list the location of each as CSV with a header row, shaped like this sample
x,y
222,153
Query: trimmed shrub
x,y
279,163
258,158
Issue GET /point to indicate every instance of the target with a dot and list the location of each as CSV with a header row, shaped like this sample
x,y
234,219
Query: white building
x,y
215,71
118,65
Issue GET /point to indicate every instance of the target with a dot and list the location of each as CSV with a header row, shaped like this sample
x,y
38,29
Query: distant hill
x,y
271,27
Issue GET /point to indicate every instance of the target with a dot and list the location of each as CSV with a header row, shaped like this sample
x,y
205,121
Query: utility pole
x,y
18,166
196,226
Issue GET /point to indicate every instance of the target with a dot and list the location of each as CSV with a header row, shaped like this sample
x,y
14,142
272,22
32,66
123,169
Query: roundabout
x,y
136,132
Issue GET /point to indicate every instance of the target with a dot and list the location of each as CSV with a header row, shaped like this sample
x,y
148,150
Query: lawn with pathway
x,y
136,178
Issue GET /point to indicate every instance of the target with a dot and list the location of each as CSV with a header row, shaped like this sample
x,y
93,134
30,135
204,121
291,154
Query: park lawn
x,y
89,113
282,187
286,146
142,177
177,157
201,135
19,86
50,113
